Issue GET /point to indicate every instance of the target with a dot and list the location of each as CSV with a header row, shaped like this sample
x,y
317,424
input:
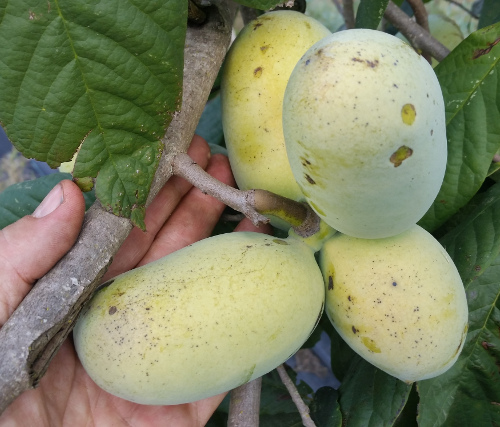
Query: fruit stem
x,y
254,204
188,169
297,399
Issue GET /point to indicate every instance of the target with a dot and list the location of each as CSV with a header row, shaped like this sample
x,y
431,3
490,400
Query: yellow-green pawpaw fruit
x,y
398,302
365,132
202,320
254,78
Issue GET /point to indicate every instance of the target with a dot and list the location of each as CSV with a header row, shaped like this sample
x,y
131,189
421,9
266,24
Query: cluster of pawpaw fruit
x,y
351,123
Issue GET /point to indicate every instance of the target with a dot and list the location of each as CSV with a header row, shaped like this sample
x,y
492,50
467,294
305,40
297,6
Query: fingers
x,y
138,242
31,246
247,225
194,218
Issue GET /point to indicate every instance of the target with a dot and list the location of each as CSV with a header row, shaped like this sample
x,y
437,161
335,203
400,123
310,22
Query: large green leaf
x,y
370,397
370,13
469,393
475,242
22,198
490,13
259,4
325,409
107,74
469,79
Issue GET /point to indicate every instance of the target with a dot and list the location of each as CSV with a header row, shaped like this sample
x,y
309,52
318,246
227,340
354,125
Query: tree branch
x,y
244,406
254,204
349,19
38,327
297,399
418,37
420,13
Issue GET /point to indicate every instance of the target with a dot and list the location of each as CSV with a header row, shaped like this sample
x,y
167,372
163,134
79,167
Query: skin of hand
x,y
180,215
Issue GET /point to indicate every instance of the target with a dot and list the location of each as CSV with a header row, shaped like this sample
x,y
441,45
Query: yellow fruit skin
x,y
202,320
255,75
364,125
398,302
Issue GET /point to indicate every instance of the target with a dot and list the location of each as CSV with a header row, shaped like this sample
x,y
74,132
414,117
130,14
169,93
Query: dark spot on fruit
x,y
330,283
263,49
349,298
257,72
401,154
319,52
112,310
372,64
354,330
310,180
394,284
432,132
257,25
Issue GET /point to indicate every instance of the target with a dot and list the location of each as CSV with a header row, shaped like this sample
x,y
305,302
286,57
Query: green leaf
x,y
22,198
475,242
469,392
490,13
342,356
107,74
370,397
259,4
325,409
370,13
281,420
275,398
469,78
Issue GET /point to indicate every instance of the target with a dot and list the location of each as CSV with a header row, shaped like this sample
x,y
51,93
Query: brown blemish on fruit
x,y
330,283
112,310
263,49
408,114
257,25
310,180
354,330
401,154
371,64
257,72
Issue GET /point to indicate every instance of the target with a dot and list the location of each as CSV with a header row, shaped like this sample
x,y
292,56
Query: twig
x,y
349,19
244,405
418,37
254,204
41,323
241,201
297,399
421,17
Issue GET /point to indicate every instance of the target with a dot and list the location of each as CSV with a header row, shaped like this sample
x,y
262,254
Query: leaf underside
x,y
106,75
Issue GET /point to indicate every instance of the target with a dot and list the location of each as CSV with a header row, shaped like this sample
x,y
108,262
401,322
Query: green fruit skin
x,y
365,132
398,302
202,320
255,75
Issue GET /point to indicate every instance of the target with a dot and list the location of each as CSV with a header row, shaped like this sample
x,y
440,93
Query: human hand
x,y
179,215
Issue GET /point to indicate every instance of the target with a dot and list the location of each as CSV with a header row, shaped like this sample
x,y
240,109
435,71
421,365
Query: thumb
x,y
31,246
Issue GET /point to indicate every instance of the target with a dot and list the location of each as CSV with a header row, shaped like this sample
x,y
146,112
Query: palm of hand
x,y
179,215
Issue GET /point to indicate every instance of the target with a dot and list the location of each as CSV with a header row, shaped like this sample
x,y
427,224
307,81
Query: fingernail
x,y
50,203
